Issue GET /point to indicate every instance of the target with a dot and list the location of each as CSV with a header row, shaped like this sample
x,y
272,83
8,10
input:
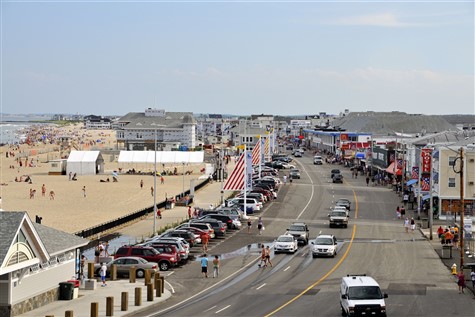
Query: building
x,y
97,123
140,130
34,259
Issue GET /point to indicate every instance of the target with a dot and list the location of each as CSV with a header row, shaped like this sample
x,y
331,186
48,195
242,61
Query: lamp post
x,y
155,185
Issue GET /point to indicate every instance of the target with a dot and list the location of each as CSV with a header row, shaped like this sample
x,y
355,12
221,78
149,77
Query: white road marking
x,y
210,308
288,267
173,290
222,309
311,196
262,286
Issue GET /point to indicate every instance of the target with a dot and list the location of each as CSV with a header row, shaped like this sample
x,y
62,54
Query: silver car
x,y
124,264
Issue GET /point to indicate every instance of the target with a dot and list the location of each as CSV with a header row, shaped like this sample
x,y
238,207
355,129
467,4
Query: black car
x,y
221,217
337,178
334,172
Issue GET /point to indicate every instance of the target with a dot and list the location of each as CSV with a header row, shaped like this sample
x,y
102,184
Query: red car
x,y
164,260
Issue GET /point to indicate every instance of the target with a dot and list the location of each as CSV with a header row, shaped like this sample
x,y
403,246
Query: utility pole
x,y
431,203
462,209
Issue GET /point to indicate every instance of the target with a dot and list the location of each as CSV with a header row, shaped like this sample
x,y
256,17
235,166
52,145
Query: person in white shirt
x,y
103,273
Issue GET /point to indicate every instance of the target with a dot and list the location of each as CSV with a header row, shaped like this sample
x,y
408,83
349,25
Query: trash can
x,y
425,223
66,290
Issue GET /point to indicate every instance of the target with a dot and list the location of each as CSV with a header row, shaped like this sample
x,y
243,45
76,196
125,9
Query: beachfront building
x,y
93,122
140,130
85,163
34,259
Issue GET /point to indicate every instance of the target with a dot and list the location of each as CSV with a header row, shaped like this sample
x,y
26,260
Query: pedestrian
x,y
263,262
103,272
84,191
456,237
268,256
70,175
204,265
398,213
159,213
260,225
403,211
106,248
43,190
285,179
189,212
81,268
448,236
151,190
461,281
405,199
215,266
367,180
141,183
472,277
249,225
372,181
413,224
204,242
406,225
162,180
51,195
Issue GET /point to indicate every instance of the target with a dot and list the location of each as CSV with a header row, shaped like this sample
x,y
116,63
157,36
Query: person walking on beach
x,y
151,190
141,183
215,266
189,212
103,272
204,265
51,195
162,180
70,175
84,191
43,190
262,262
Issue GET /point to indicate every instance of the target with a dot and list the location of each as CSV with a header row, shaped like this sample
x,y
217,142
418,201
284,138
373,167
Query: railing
x,y
106,226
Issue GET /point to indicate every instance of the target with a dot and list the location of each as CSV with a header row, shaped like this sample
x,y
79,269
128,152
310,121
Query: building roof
x,y
138,120
56,241
9,224
460,138
83,156
390,122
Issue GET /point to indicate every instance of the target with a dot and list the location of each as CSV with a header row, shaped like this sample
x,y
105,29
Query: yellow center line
x,y
329,272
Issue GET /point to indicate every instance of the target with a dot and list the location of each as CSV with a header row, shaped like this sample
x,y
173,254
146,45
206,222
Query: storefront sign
x,y
426,158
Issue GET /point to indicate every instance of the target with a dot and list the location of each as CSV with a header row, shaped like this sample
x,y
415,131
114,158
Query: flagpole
x,y
260,157
245,182
419,173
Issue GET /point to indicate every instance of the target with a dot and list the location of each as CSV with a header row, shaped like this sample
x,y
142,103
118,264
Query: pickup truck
x,y
339,218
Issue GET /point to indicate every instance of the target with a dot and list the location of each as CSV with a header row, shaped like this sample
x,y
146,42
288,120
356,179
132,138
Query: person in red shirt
x,y
204,242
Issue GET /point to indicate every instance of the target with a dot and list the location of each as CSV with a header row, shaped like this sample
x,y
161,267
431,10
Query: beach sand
x,y
70,211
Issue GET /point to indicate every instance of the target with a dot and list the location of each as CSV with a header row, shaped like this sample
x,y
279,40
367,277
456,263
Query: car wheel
x,y
346,226
343,313
314,256
164,266
140,273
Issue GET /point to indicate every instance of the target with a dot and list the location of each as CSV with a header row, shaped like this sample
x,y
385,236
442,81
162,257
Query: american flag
x,y
399,164
425,183
415,172
236,180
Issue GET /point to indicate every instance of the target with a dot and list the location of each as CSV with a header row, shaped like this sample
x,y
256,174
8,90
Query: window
x,y
452,160
451,181
137,252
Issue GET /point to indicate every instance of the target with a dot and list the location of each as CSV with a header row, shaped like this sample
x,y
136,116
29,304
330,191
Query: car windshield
x,y
324,241
285,239
296,228
339,214
365,292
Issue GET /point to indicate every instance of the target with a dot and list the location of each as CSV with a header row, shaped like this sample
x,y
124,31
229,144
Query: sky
x,y
237,57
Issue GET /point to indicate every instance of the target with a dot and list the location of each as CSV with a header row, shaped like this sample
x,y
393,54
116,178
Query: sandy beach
x,y
70,211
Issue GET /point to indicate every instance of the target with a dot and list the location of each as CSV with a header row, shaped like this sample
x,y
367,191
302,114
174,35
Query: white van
x,y
250,202
317,160
360,295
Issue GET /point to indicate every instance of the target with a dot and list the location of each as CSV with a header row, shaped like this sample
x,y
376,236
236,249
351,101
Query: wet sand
x,y
70,211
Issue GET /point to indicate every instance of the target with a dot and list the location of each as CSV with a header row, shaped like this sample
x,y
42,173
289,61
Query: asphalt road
x,y
404,264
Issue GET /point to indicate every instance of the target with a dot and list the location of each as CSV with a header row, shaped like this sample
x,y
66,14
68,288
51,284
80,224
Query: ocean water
x,y
10,131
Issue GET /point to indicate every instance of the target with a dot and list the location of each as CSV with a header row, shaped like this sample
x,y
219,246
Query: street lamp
x,y
155,185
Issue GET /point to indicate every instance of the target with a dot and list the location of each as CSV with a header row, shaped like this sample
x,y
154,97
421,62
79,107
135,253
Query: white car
x,y
287,165
286,243
324,245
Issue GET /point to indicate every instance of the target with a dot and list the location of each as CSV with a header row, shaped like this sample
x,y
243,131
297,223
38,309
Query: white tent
x,y
163,157
85,163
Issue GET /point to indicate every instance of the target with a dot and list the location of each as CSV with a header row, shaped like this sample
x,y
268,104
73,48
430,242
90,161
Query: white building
x,y
139,130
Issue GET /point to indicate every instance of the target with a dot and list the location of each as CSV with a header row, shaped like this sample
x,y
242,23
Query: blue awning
x,y
360,155
425,197
411,182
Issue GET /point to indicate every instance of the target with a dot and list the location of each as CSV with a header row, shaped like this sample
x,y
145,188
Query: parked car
x,y
239,201
124,264
165,261
228,220
324,245
235,211
286,243
218,226
168,249
188,236
203,226
181,248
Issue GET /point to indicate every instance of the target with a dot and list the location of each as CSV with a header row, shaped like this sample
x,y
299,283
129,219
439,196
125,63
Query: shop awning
x,y
411,182
360,155
391,168
425,197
